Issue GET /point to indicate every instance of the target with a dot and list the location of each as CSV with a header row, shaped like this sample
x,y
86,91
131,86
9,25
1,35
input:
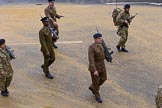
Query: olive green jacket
x,y
45,38
96,56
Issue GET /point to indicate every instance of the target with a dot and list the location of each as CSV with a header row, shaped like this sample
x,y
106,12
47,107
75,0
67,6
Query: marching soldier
x,y
47,48
97,68
6,71
51,13
123,28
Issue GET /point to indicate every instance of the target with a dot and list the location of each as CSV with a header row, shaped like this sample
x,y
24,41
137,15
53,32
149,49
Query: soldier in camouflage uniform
x,y
123,28
6,71
158,97
97,68
47,48
51,13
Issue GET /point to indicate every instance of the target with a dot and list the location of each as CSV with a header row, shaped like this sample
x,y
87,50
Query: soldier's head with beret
x,y
98,38
127,7
2,43
51,2
45,21
97,35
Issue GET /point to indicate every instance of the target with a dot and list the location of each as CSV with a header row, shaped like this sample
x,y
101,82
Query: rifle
x,y
54,32
132,17
108,55
11,52
129,20
60,16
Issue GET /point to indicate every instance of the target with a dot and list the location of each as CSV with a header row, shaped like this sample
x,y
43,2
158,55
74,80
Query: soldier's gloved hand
x,y
96,73
130,20
55,24
58,17
54,39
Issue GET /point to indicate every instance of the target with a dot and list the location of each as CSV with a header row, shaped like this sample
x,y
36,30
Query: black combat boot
x,y
5,93
49,76
55,46
99,100
124,50
118,48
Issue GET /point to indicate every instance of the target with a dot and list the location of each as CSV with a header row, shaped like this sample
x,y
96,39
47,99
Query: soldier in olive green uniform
x,y
6,71
123,28
97,68
51,13
47,48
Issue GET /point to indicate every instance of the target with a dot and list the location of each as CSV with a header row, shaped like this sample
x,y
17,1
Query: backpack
x,y
115,13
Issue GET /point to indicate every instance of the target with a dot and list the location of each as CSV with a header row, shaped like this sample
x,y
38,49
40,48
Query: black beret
x,y
45,19
127,6
51,0
97,35
2,41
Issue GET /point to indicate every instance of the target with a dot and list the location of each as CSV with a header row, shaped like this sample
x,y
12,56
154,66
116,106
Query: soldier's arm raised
x,y
92,67
58,16
42,42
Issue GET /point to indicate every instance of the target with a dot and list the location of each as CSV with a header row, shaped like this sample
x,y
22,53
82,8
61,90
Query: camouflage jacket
x,y
122,17
5,64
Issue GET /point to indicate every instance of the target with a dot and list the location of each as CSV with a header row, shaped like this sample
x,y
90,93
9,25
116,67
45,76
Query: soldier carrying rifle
x,y
51,13
6,71
123,21
96,56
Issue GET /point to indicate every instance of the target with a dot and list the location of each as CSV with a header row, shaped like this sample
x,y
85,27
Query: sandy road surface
x,y
133,77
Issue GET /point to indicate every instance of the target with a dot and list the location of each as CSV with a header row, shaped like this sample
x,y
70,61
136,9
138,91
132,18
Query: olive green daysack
x,y
115,13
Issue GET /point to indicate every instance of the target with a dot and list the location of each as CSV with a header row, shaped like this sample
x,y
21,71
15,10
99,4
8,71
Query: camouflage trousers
x,y
99,80
48,60
123,33
5,83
